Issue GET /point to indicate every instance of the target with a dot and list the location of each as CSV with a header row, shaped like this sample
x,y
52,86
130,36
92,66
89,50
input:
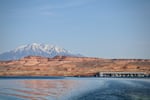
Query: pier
x,y
123,74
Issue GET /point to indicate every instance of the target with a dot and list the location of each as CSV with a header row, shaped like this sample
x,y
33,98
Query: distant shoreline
x,y
75,66
64,77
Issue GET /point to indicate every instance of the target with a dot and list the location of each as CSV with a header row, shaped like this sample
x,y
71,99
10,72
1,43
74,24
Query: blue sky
x,y
96,28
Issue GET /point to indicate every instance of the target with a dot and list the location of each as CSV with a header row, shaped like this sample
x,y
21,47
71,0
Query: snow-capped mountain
x,y
35,49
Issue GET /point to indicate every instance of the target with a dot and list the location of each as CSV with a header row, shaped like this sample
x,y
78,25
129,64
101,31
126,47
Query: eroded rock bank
x,y
70,66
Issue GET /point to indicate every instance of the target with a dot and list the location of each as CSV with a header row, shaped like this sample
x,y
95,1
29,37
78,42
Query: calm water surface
x,y
53,88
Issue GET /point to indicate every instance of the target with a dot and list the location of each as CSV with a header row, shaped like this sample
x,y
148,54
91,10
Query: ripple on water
x,y
74,89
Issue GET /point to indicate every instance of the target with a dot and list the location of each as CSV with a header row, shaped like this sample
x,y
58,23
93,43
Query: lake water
x,y
69,88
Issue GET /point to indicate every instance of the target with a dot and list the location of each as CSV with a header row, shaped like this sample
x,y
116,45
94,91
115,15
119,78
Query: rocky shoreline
x,y
70,66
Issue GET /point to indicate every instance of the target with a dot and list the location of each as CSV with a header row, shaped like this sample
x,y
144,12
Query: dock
x,y
123,74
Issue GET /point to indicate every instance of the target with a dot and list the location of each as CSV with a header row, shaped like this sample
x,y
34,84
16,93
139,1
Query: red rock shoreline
x,y
70,66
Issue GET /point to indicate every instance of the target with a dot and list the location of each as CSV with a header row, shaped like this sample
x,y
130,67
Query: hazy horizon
x,y
94,28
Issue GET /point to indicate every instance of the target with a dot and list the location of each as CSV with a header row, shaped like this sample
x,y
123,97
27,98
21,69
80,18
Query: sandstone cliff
x,y
70,66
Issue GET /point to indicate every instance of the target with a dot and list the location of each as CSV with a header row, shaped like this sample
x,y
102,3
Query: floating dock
x,y
123,74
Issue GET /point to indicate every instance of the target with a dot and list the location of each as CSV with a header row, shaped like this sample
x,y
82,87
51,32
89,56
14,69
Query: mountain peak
x,y
35,49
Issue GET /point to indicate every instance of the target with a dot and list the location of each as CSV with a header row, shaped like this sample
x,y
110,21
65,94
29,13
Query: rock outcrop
x,y
70,66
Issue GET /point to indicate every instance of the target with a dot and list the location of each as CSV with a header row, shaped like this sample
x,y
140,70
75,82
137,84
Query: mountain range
x,y
35,49
49,60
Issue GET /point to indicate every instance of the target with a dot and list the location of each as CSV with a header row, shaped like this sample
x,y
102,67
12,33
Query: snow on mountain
x,y
35,49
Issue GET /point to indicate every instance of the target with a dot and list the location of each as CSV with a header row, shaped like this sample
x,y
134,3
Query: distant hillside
x,y
70,66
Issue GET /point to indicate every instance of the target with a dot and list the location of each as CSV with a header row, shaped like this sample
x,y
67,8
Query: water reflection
x,y
41,89
75,89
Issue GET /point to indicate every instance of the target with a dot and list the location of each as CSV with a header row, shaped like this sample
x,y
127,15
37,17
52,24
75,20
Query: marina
x,y
123,74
